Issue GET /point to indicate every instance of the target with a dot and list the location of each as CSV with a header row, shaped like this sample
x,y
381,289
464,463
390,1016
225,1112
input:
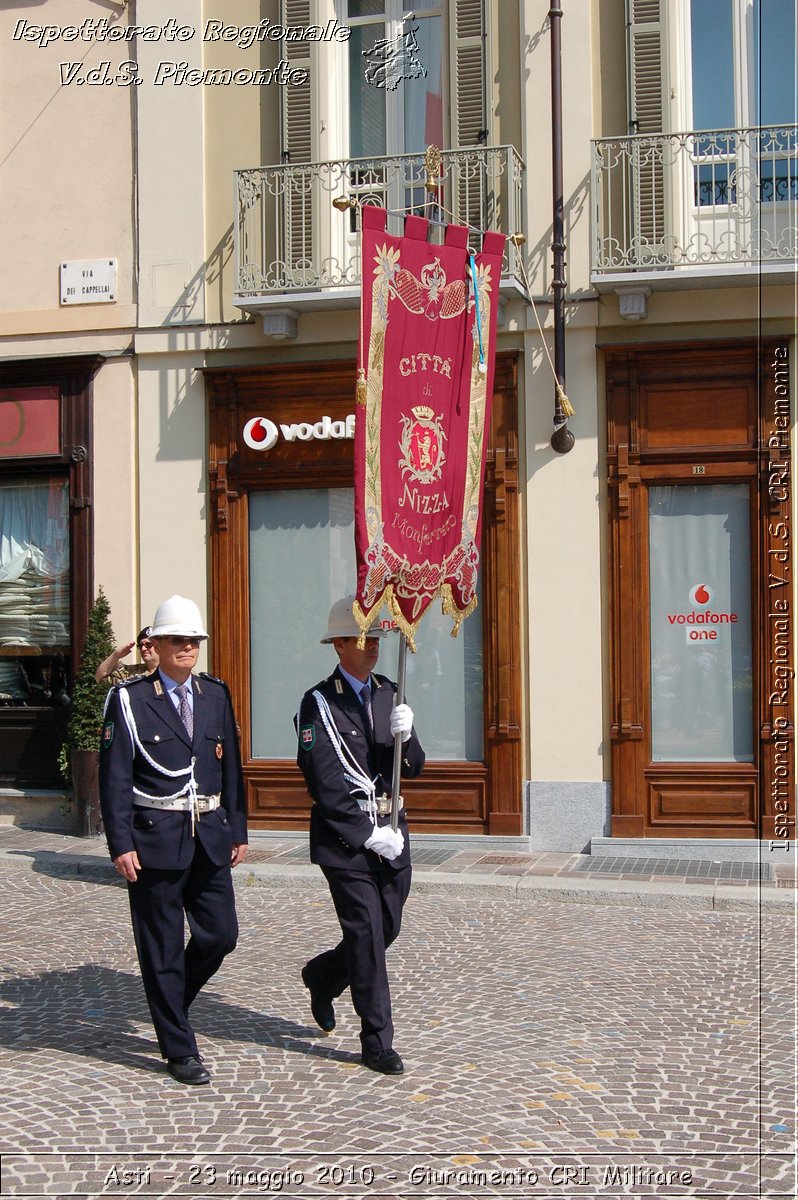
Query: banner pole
x,y
397,741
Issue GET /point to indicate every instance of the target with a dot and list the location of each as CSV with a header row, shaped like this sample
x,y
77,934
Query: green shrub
x,y
88,696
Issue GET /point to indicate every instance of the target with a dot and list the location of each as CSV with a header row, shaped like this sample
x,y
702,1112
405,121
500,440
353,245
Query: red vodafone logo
x,y
701,595
260,433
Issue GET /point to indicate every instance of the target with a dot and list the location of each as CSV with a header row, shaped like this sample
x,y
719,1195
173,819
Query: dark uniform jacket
x,y
161,838
338,825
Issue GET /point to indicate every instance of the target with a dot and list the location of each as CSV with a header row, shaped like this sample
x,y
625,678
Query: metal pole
x,y
562,439
397,741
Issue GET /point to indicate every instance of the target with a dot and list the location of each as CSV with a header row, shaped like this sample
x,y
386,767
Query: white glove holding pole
x,y
402,721
388,843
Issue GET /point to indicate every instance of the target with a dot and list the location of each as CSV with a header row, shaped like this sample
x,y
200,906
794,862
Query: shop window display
x,y
34,593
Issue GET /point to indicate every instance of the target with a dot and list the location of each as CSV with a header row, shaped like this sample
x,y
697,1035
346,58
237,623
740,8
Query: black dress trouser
x,y
173,972
369,907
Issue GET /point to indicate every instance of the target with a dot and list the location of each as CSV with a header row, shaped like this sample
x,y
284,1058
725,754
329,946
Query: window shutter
x,y
297,143
646,109
469,115
645,63
296,101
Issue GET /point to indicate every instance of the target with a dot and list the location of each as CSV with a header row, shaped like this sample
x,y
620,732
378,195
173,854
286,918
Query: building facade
x,y
628,673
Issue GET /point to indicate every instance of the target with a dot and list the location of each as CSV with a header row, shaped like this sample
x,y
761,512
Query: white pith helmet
x,y
177,616
341,623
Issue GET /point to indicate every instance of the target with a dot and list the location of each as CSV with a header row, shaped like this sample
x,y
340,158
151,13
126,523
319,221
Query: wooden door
x,y
701,639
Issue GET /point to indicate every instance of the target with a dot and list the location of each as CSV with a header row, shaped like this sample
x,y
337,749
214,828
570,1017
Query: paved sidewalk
x,y
552,1050
276,860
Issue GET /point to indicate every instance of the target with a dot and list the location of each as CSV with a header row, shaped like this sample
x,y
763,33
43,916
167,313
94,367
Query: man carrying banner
x,y
347,726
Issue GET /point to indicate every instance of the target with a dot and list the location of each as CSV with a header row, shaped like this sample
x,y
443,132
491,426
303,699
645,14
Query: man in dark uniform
x,y
172,798
346,727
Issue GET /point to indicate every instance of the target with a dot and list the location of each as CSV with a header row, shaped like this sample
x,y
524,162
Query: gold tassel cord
x,y
564,402
566,407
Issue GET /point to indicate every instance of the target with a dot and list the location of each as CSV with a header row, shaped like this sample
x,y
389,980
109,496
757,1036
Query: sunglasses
x,y
183,641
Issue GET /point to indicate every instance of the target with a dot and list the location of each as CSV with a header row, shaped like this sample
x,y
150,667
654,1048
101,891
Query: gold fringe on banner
x,y
410,629
450,609
387,600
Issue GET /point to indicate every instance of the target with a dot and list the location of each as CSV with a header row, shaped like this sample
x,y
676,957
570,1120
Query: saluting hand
x,y
128,865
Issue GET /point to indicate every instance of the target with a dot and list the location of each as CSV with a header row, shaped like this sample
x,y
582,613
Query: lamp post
x,y
562,439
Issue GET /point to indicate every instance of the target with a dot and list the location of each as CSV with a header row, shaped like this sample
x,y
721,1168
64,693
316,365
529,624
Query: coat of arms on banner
x,y
422,445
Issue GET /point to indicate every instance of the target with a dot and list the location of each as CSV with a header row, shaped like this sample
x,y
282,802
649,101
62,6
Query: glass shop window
x,y
34,593
302,558
702,700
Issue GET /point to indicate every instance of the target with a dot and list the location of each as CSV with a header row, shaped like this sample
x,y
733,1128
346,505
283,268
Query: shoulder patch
x,y
212,679
126,683
108,733
307,737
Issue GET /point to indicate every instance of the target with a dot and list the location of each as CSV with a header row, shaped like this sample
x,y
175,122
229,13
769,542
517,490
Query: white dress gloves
x,y
388,843
402,721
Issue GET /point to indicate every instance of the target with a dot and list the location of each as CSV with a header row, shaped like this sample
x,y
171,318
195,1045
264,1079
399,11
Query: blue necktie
x,y
365,698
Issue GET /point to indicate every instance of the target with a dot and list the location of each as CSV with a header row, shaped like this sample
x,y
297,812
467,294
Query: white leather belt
x,y
180,804
380,805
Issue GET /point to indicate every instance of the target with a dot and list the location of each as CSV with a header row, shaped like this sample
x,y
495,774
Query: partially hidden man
x,y
346,727
172,798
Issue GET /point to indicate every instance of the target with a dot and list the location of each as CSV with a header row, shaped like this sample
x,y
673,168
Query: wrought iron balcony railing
x,y
715,199
292,245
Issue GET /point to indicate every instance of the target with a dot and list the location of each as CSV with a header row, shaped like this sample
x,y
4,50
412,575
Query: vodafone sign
x,y
260,433
701,614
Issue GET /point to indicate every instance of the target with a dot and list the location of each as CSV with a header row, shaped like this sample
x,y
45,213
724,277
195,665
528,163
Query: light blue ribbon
x,y
473,265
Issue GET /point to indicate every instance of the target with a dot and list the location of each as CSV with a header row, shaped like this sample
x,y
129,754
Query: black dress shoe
x,y
320,1006
188,1070
387,1062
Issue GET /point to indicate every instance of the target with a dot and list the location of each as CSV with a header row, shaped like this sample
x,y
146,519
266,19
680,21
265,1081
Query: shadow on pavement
x,y
94,1011
97,868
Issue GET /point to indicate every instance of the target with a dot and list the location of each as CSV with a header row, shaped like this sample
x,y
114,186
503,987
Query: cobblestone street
x,y
550,1050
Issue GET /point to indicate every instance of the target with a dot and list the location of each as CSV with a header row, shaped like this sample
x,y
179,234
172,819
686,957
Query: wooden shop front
x,y
282,550
702,725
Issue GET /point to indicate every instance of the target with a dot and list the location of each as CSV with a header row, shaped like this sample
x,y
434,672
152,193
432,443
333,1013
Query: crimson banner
x,y
428,334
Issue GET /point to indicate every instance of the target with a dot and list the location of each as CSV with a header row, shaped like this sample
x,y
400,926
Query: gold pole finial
x,y
342,203
432,167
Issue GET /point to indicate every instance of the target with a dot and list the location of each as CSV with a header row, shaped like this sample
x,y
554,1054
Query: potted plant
x,y
80,753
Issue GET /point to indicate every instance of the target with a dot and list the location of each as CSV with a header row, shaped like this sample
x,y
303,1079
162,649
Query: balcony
x,y
294,251
719,205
